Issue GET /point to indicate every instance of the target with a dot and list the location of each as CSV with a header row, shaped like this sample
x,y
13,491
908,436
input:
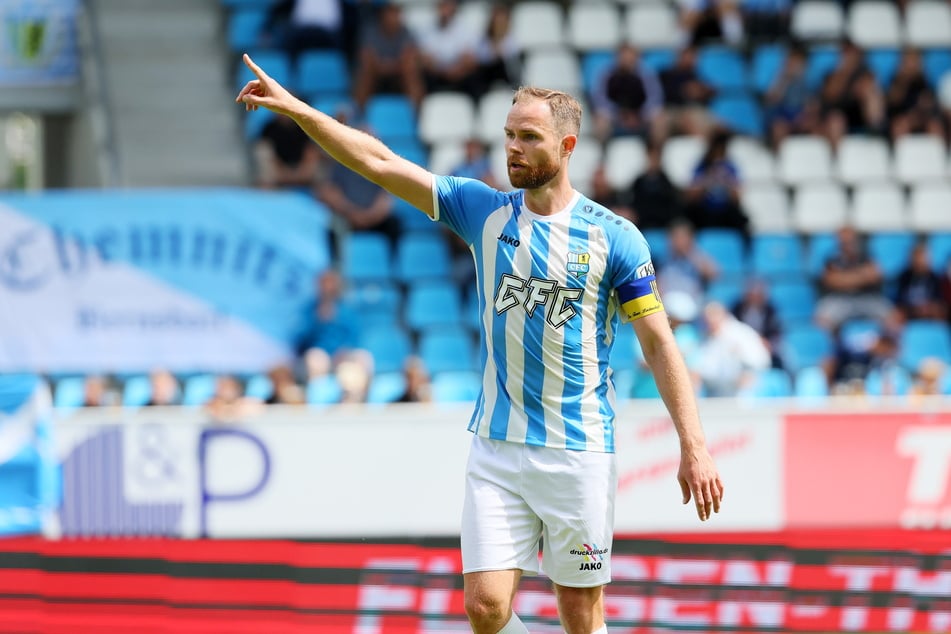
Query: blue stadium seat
x,y
936,63
69,392
447,350
659,59
804,345
856,333
940,246
422,256
626,353
388,387
471,317
624,382
644,386
821,62
811,383
740,112
322,72
658,244
822,246
921,339
883,63
136,391
410,149
237,4
768,61
245,27
770,383
389,345
391,117
259,386
412,219
199,388
324,390
795,301
455,387
255,121
723,68
726,247
367,257
375,302
431,304
726,291
333,103
593,67
777,255
891,251
892,381
277,64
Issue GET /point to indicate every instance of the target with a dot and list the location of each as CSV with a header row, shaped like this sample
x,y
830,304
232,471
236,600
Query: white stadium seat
x,y
419,18
861,159
493,109
928,24
475,14
446,116
499,166
538,24
653,25
919,158
585,159
446,156
804,159
594,26
817,20
929,209
879,207
874,24
819,208
754,160
944,90
555,68
767,206
680,157
624,159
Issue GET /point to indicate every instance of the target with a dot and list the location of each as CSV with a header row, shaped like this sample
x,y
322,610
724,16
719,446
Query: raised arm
x,y
698,475
355,149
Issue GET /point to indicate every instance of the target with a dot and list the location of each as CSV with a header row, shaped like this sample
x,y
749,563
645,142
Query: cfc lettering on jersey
x,y
640,298
530,294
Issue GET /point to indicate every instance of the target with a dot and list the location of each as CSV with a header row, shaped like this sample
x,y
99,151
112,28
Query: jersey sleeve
x,y
633,276
463,204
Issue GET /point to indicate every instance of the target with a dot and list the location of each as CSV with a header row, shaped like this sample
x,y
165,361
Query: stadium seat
x,y
927,24
767,206
939,244
770,383
822,246
857,332
245,25
920,158
594,65
804,345
366,257
768,61
937,63
594,26
874,24
422,256
446,156
819,208
259,386
862,159
391,117
921,339
891,251
375,302
278,66
726,247
431,304
255,121
389,345
323,72
822,61
537,24
410,149
726,291
447,350
817,21
754,160
879,207
944,91
446,116
69,392
626,352
419,17
680,157
928,211
493,109
624,160
475,14
795,300
891,381
883,62
553,68
498,163
740,113
199,389
811,383
652,25
136,391
455,387
388,387
659,59
777,256
804,159
644,386
722,68
585,160
324,390
471,317
657,243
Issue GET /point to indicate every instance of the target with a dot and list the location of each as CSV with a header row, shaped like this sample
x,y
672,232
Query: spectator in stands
x,y
308,24
756,311
713,196
448,52
498,52
767,20
99,391
476,164
354,377
930,378
418,386
851,102
919,293
334,334
856,357
603,194
628,98
685,96
911,103
731,355
286,389
228,403
789,106
706,21
165,389
388,59
655,200
851,285
686,269
285,156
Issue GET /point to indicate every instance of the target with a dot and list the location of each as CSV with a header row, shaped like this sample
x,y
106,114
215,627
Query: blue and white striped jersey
x,y
552,290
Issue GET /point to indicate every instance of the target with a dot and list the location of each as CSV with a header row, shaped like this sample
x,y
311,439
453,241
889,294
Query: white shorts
x,y
517,494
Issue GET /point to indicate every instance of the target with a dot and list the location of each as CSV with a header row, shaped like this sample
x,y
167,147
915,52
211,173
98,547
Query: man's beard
x,y
534,177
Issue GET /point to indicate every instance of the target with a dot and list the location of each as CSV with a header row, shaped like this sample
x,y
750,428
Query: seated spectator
x,y
685,96
448,53
353,377
165,389
418,386
789,105
930,378
919,293
655,200
286,389
628,98
851,102
285,156
767,20
498,53
99,391
731,355
713,196
308,24
851,285
856,357
756,311
228,403
476,164
686,269
334,333
911,103
706,21
388,59
603,194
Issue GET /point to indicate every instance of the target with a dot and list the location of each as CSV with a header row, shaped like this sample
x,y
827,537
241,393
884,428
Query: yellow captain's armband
x,y
640,298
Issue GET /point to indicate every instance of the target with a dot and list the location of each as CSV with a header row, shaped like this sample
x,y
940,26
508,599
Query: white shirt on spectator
x,y
323,13
447,45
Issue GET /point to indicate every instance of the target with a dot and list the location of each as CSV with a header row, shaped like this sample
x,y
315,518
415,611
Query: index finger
x,y
254,67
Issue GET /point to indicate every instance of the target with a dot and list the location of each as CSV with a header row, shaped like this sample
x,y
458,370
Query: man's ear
x,y
568,144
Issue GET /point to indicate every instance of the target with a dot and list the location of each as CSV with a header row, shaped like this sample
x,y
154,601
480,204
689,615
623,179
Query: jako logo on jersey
x,y
591,555
513,291
578,264
509,240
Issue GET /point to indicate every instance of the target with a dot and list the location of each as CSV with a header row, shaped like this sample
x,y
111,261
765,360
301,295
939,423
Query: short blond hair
x,y
565,109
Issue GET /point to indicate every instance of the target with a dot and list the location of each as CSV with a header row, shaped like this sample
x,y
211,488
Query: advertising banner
x,y
40,43
217,280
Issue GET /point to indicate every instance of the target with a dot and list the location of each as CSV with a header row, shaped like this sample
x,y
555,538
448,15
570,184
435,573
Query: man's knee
x,y
487,610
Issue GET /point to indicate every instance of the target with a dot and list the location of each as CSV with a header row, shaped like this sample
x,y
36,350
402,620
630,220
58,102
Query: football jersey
x,y
552,290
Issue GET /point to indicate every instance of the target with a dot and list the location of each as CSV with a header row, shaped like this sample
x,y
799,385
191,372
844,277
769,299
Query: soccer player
x,y
556,273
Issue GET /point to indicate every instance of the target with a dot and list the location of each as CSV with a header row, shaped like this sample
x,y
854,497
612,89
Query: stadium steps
x,y
167,70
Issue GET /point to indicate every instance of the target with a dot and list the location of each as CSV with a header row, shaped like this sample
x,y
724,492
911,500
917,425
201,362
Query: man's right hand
x,y
264,91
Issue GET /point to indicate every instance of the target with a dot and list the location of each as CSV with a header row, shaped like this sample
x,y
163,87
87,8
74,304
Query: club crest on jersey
x,y
578,264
